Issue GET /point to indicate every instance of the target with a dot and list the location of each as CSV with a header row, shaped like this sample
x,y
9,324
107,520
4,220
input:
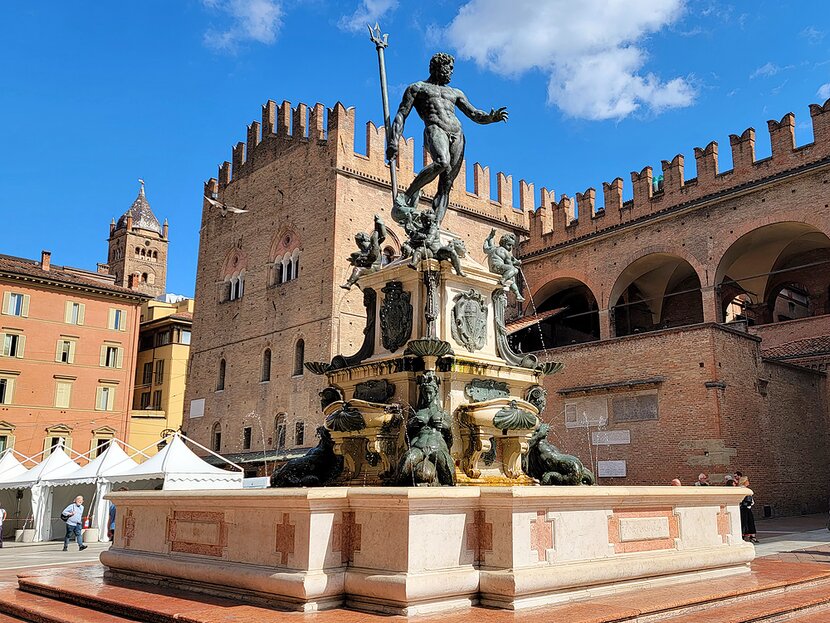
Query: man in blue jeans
x,y
74,523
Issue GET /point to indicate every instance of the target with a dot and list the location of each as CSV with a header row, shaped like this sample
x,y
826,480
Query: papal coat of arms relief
x,y
469,320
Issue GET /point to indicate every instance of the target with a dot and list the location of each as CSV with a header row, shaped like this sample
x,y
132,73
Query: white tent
x,y
111,460
56,465
180,469
10,466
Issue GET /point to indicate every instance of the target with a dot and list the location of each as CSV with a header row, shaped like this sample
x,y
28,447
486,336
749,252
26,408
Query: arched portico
x,y
655,291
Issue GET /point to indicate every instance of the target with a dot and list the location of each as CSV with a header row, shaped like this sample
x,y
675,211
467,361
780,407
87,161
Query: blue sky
x,y
96,95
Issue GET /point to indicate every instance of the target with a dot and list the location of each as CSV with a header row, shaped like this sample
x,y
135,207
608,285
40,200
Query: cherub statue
x,y
422,230
367,259
452,252
501,261
429,431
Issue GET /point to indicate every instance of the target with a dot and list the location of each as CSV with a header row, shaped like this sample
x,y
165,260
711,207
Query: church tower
x,y
138,248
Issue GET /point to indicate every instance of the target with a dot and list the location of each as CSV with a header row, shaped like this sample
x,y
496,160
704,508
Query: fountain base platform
x,y
423,549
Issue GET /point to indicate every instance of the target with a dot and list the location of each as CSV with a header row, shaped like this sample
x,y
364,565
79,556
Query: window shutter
x,y
111,319
119,359
6,299
98,395
62,395
102,356
81,313
67,312
3,345
122,321
72,352
9,391
26,299
59,350
111,399
21,344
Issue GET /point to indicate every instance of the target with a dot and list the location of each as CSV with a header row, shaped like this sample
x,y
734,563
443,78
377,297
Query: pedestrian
x,y
73,515
2,518
676,483
747,518
702,480
729,481
111,523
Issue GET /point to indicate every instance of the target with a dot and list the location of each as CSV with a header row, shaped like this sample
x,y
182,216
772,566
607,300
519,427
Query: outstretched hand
x,y
500,114
392,151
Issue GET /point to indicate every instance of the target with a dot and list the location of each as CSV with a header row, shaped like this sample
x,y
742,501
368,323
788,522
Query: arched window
x,y
216,437
279,429
266,365
388,256
299,357
143,277
220,381
151,278
155,255
143,253
237,287
138,251
295,263
299,433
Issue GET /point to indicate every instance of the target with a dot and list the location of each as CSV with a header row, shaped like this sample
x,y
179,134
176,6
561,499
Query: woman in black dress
x,y
747,518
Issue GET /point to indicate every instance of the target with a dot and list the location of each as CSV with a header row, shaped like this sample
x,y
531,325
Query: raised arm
x,y
488,243
479,116
396,130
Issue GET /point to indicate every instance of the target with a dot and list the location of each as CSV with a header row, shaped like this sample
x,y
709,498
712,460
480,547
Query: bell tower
x,y
138,248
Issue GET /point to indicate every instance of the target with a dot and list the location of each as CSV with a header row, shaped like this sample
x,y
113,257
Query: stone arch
x,y
568,313
236,261
656,290
216,437
766,257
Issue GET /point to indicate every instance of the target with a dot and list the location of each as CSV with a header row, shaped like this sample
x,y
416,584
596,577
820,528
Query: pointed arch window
x,y
266,366
216,437
299,357
220,380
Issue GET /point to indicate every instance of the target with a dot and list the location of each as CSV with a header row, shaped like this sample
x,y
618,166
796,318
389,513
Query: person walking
x,y
74,517
747,518
2,519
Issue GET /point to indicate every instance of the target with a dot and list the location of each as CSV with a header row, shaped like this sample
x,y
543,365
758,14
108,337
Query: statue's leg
x,y
437,144
445,181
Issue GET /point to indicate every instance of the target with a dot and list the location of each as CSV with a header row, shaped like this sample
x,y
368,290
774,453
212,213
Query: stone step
x,y
772,592
17,606
812,600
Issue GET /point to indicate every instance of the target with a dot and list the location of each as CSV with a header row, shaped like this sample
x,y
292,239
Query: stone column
x,y
711,304
605,324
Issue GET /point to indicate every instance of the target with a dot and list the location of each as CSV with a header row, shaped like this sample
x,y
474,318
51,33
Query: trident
x,y
381,41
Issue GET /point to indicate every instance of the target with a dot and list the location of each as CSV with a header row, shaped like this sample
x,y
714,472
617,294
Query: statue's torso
x,y
435,105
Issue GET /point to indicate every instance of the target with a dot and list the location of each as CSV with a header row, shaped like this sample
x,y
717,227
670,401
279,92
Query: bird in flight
x,y
224,208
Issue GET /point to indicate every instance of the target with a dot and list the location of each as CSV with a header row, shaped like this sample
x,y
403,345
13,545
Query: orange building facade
x,y
68,341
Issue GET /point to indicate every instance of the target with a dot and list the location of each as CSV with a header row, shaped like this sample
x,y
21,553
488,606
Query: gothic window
x,y
143,277
137,251
143,253
266,366
220,381
216,437
299,357
299,433
295,263
236,287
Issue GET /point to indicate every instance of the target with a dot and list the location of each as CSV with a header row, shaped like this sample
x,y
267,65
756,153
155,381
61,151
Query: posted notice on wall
x,y
611,469
197,408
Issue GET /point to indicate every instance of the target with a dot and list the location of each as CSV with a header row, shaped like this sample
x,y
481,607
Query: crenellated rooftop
x,y
556,222
332,131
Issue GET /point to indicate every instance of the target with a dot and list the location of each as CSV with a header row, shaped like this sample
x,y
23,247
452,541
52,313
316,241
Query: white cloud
x,y
250,20
824,91
812,34
591,51
766,70
367,12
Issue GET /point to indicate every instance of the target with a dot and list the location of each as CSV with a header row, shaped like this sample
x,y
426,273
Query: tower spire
x,y
141,190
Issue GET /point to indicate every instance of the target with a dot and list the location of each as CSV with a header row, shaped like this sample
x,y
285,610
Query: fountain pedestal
x,y
410,550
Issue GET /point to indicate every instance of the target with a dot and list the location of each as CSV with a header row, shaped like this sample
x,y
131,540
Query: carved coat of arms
x,y
395,316
469,320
